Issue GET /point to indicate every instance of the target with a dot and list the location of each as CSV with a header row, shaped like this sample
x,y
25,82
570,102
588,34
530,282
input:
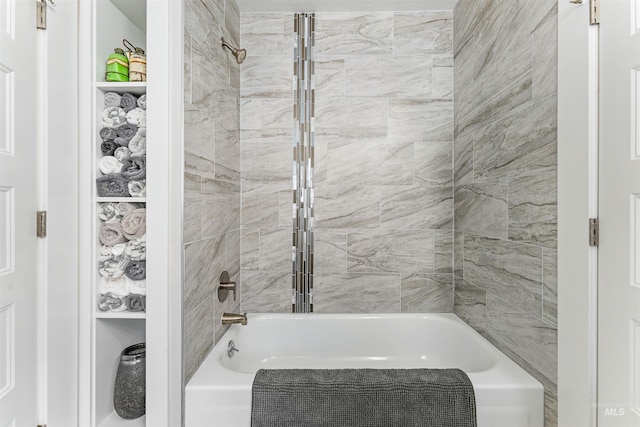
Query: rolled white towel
x,y
106,251
137,117
125,208
118,250
138,188
112,268
136,250
138,144
108,212
121,153
109,164
106,254
137,286
111,99
114,117
112,303
117,286
142,102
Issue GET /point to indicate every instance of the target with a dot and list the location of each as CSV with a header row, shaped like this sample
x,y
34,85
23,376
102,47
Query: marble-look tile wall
x,y
505,180
266,124
212,172
383,162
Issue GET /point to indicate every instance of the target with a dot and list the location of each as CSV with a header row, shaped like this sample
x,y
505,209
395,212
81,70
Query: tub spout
x,y
231,318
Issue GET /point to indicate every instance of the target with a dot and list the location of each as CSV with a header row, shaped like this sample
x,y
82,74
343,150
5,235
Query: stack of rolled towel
x,y
124,146
122,259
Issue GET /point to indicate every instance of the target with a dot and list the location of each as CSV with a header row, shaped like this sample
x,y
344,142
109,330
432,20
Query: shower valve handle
x,y
225,286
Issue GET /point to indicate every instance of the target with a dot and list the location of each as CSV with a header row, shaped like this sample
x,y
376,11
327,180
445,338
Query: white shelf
x,y
137,88
114,420
121,199
121,315
113,336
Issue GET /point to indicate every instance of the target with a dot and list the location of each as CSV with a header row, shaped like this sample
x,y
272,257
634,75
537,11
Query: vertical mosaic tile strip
x,y
303,164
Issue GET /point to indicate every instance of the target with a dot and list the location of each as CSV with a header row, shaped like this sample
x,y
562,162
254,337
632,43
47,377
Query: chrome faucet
x,y
231,318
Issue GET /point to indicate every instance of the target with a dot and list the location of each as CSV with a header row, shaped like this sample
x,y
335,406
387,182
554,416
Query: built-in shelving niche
x,y
114,20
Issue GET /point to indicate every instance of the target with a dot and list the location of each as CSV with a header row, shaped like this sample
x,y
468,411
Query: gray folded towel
x,y
108,147
136,270
112,185
134,168
362,398
128,102
108,134
142,102
134,224
135,302
127,130
111,99
122,142
111,233
110,302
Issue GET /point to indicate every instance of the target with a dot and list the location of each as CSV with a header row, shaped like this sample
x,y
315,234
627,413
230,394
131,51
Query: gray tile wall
x,y
212,172
383,162
505,180
266,123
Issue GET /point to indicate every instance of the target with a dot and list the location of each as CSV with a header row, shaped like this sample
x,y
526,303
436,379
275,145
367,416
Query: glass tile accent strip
x,y
303,163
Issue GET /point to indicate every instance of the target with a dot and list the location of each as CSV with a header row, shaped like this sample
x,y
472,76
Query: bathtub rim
x,y
504,373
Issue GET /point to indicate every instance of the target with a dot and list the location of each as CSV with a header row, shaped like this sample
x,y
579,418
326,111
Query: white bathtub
x,y
219,394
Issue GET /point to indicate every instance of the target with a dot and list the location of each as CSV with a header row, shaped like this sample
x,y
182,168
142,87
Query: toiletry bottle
x,y
137,66
137,62
117,67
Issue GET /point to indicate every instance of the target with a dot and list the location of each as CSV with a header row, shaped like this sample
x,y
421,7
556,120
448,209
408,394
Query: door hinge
x,y
594,12
594,231
41,224
41,14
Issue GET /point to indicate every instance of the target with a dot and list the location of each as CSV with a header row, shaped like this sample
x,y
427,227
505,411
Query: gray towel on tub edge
x,y
362,397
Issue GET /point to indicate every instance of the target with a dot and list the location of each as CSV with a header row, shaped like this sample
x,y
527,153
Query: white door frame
x,y
577,202
57,124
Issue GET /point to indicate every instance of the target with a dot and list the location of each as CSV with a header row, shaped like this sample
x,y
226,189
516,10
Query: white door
x,y
17,213
619,195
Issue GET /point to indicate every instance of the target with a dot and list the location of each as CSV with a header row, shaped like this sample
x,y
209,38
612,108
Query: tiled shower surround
x,y
383,162
212,172
505,180
395,196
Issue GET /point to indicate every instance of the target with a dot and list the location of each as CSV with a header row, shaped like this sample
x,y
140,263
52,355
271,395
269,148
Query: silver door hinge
x,y
41,224
41,14
594,231
594,12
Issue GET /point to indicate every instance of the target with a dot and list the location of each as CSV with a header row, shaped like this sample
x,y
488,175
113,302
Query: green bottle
x,y
117,67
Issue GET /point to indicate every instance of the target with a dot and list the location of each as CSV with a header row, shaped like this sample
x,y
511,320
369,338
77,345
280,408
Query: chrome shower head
x,y
240,54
